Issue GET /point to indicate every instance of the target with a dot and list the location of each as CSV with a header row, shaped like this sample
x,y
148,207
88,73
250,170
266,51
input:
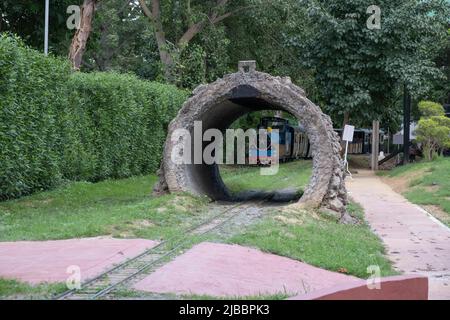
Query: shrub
x,y
429,109
56,125
433,130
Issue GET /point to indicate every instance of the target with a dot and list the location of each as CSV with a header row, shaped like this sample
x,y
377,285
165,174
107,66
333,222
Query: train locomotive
x,y
292,142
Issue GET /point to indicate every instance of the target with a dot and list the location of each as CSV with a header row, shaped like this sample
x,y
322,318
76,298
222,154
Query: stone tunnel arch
x,y
220,103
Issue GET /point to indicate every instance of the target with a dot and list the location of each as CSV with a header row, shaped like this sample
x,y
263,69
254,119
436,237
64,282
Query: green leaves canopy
x,y
361,71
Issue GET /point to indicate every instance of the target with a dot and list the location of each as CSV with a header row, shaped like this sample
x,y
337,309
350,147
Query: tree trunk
x,y
346,118
164,54
79,41
154,15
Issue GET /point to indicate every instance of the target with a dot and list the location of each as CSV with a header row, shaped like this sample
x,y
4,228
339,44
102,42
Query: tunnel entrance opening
x,y
219,104
257,178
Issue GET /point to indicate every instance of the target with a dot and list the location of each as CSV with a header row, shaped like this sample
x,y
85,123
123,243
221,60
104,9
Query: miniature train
x,y
294,144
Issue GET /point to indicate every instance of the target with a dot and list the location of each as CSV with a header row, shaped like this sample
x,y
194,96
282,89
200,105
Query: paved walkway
x,y
224,270
416,243
56,260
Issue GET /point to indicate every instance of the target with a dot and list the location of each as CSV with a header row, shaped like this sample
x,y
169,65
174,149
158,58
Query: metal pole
x,y
346,161
406,124
389,142
47,8
375,144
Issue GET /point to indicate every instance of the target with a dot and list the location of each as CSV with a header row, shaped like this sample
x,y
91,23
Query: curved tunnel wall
x,y
220,103
206,178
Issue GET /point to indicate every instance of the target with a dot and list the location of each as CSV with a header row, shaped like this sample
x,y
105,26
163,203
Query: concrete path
x,y
56,260
224,270
416,243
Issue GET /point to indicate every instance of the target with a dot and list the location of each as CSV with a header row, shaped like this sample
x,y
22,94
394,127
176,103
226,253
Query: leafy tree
x,y
26,19
176,23
121,40
441,89
264,32
360,71
434,129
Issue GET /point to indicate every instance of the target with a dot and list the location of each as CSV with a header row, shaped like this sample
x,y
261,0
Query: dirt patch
x,y
358,161
37,203
161,210
438,213
402,183
289,220
293,215
128,229
182,204
139,224
433,188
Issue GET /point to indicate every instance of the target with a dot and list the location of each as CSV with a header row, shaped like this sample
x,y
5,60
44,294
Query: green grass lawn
x,y
126,208
294,174
122,208
12,289
430,185
321,242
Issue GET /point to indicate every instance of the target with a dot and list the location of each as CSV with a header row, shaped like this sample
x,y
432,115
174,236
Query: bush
x,y
56,125
433,131
430,109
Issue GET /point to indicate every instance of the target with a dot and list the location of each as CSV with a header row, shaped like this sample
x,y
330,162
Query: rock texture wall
x,y
218,105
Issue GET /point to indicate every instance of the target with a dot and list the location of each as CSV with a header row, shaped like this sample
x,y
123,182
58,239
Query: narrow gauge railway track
x,y
109,280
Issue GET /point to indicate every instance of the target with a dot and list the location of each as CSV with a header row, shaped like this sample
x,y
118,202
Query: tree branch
x,y
190,33
220,18
146,9
212,18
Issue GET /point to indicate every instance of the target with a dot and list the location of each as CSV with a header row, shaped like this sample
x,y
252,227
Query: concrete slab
x,y
416,243
223,270
48,261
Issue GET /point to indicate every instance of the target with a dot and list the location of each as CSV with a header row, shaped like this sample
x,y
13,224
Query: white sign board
x,y
348,133
398,138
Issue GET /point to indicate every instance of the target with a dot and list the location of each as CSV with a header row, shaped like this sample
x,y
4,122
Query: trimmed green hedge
x,y
57,125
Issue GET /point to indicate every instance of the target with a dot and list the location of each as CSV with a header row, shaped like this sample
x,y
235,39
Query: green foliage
x,y
33,97
120,120
56,125
122,40
434,129
362,71
429,109
26,19
190,67
266,31
203,60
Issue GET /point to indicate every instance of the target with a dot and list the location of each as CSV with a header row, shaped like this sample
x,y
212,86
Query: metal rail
x,y
109,280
